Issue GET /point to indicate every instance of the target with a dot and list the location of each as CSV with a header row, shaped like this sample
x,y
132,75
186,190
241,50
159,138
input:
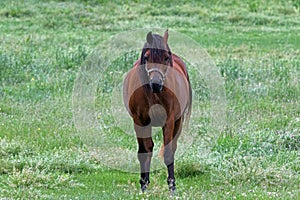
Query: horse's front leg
x,y
171,132
145,150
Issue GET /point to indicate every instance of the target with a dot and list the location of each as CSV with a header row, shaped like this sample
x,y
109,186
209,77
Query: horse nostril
x,y
156,84
156,88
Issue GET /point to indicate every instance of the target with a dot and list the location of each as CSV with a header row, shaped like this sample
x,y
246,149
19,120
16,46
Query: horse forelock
x,y
156,47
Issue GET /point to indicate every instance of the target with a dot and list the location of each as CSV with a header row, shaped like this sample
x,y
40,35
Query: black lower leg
x,y
144,181
144,156
171,178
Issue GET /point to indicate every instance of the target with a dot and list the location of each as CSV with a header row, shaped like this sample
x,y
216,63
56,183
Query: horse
x,y
157,93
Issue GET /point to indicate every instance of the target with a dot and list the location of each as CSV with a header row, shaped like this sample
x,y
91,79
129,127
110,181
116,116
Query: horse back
x,y
179,65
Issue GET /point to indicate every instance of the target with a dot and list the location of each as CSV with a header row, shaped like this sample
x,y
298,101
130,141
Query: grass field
x,y
255,46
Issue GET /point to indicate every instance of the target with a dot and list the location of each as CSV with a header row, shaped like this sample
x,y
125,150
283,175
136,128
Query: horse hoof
x,y
144,188
172,185
172,193
144,184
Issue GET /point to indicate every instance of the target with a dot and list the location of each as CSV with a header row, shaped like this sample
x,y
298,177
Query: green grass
x,y
255,46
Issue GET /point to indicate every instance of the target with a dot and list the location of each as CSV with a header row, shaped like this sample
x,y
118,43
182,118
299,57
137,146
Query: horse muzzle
x,y
156,85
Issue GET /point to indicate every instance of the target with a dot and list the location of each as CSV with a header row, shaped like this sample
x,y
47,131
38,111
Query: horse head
x,y
156,58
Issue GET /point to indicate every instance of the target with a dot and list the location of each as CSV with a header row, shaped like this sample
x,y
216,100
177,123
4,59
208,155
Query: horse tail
x,y
189,104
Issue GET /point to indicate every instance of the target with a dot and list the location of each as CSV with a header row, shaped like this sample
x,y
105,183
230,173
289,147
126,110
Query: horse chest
x,y
157,114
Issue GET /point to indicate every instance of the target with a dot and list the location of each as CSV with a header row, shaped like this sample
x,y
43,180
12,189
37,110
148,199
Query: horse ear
x,y
166,36
149,38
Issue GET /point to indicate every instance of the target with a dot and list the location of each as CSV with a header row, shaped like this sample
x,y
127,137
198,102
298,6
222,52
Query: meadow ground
x,y
255,46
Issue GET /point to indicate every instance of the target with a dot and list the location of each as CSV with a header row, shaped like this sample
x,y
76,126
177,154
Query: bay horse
x,y
157,92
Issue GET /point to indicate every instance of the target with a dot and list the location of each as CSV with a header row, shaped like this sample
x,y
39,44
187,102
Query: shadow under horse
x,y
157,92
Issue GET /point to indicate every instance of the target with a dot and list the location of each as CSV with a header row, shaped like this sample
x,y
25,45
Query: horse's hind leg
x,y
144,153
171,134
